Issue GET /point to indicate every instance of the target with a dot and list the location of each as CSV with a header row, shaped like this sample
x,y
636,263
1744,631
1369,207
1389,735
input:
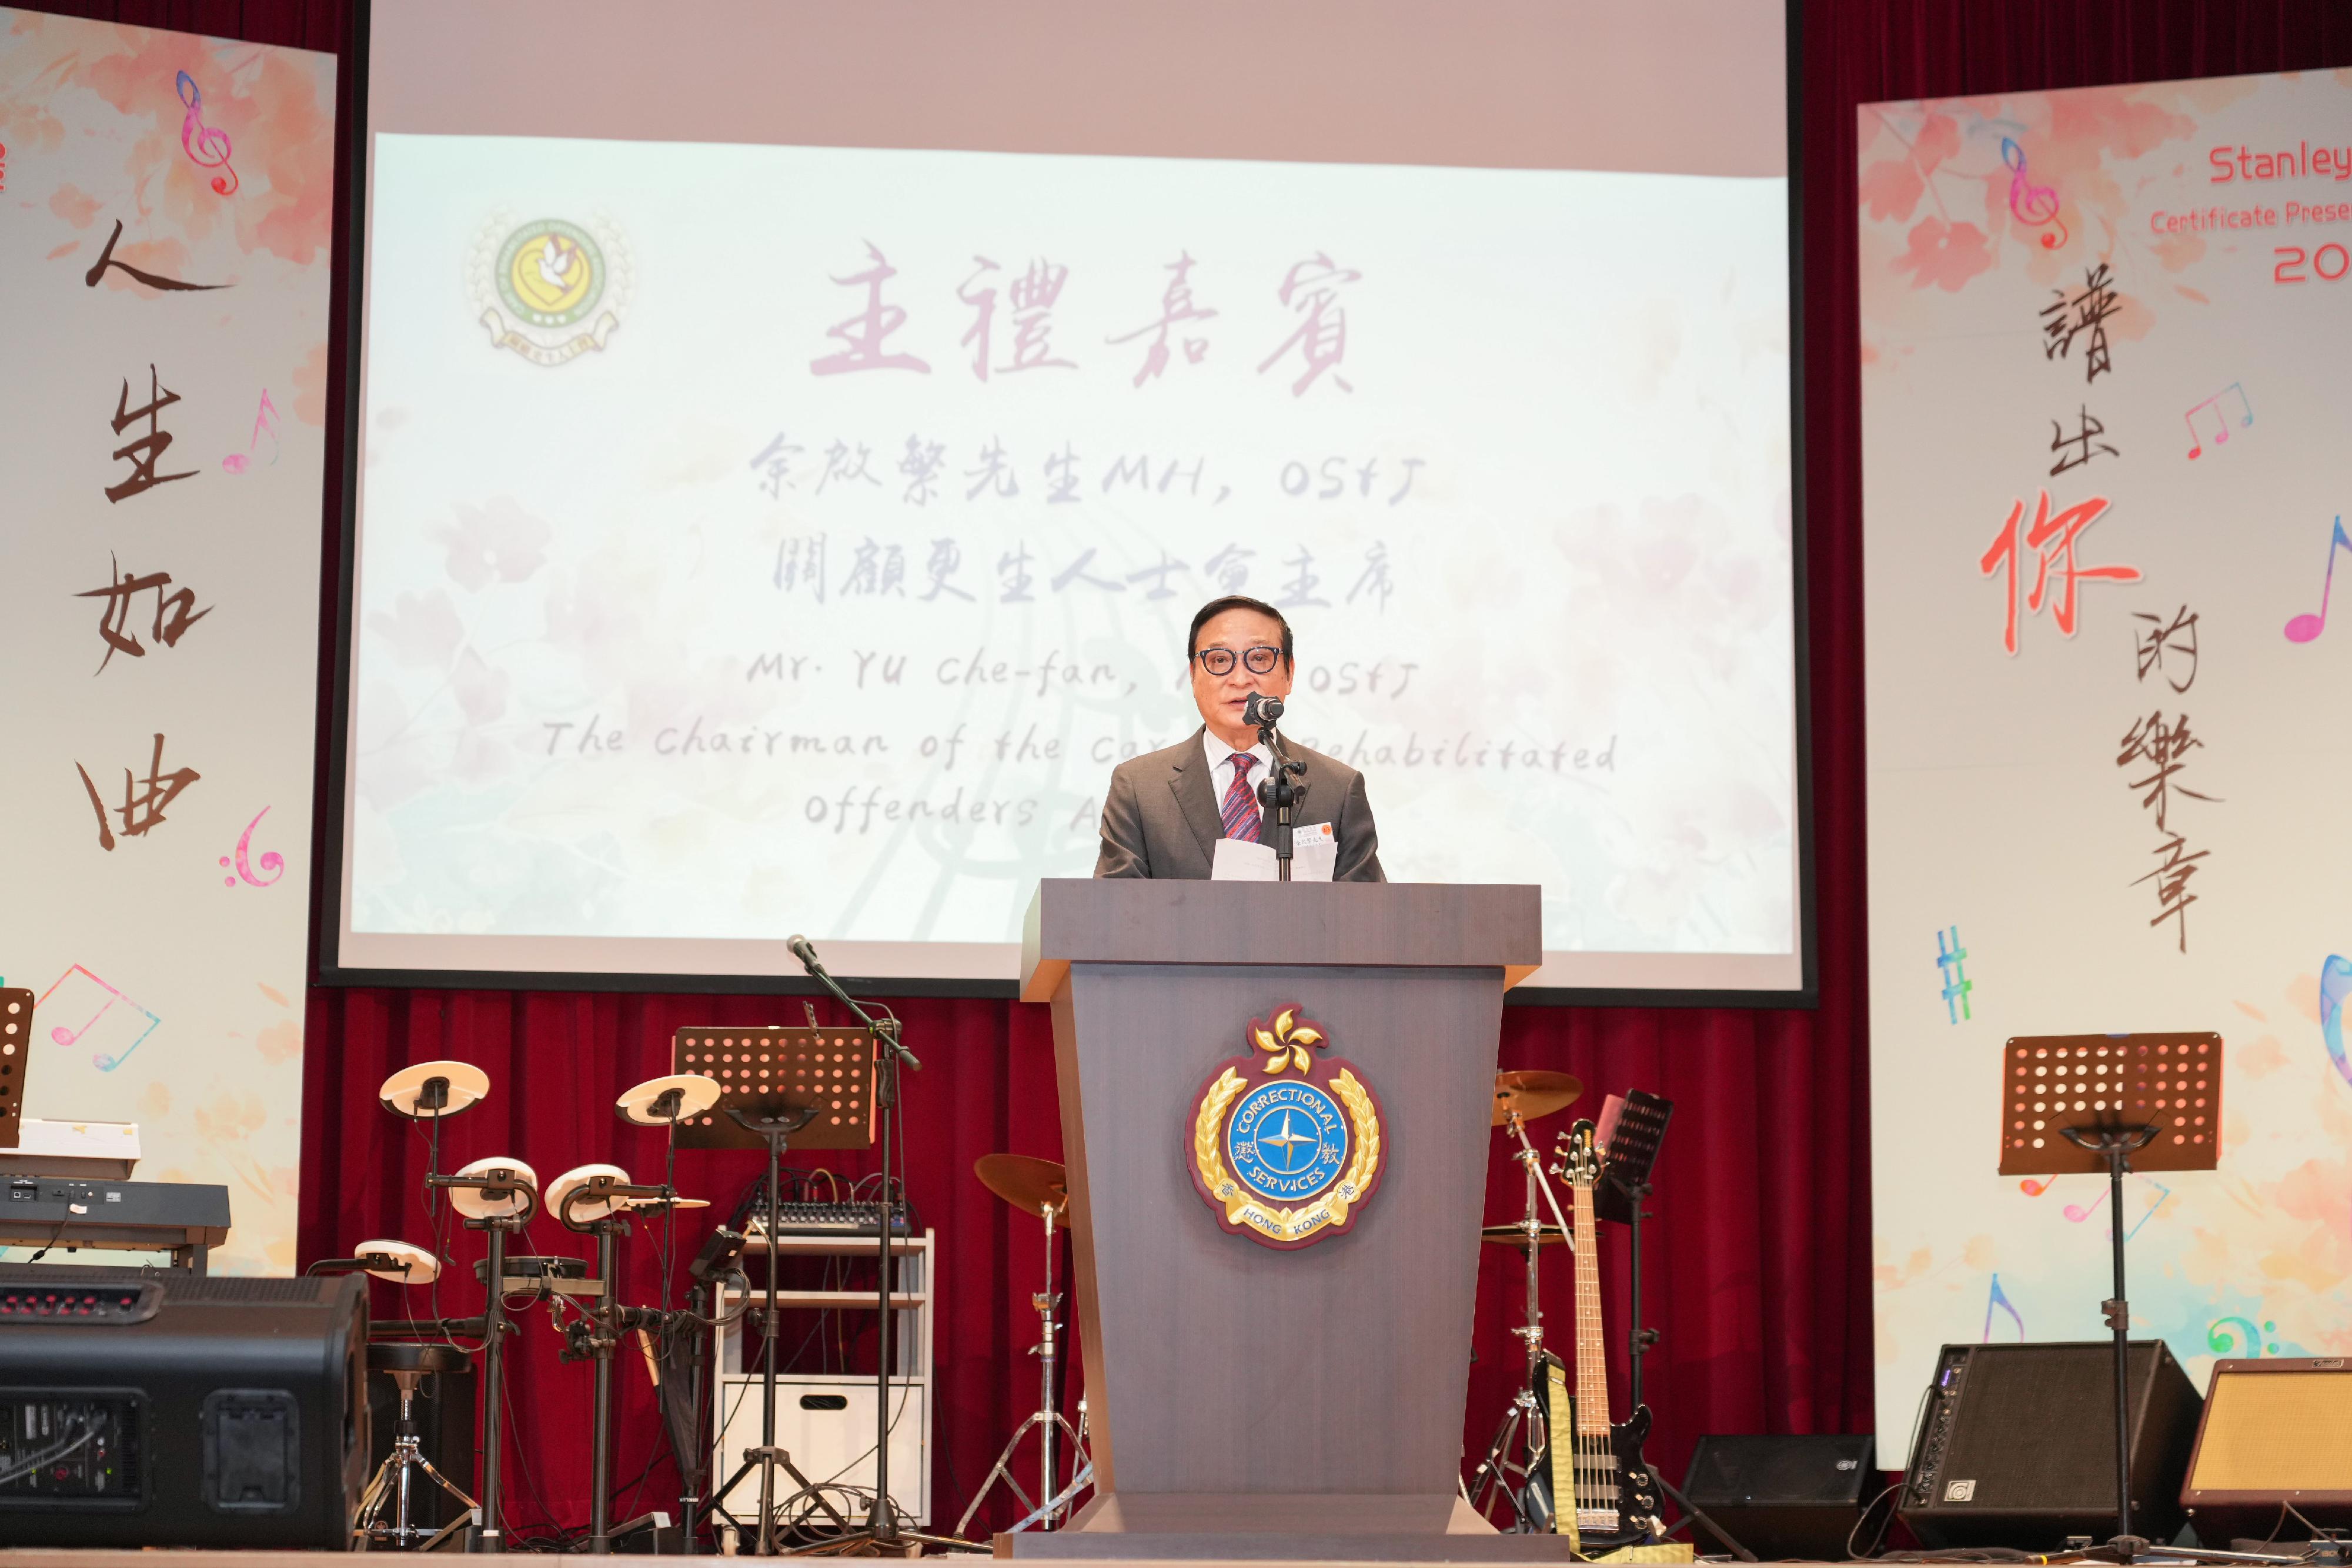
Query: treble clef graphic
x,y
205,145
2032,203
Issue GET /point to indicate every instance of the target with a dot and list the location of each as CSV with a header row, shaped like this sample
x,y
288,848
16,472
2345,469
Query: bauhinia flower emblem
x,y
1287,1039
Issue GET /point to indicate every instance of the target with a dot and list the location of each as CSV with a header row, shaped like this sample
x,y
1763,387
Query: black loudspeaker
x,y
2017,1447
444,1414
1787,1496
180,1412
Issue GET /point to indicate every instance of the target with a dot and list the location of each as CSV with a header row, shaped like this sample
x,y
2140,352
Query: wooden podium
x,y
1249,1401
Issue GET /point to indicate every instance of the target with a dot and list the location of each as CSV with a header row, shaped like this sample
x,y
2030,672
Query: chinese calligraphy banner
x,y
755,537
2102,333
164,275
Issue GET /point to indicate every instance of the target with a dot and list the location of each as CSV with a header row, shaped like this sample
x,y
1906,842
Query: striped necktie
x,y
1241,812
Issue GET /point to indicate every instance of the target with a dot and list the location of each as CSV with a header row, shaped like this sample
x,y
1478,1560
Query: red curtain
x,y
1757,1274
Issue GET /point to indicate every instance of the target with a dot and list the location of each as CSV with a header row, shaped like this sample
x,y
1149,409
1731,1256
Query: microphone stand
x,y
881,1530
1277,794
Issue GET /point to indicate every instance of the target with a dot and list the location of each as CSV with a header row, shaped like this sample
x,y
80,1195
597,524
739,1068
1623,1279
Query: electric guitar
x,y
1604,1493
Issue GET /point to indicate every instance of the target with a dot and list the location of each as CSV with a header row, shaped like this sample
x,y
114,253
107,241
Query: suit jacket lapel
x,y
1190,781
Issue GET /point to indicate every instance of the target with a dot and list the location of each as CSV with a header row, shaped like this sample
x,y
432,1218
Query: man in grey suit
x,y
1166,810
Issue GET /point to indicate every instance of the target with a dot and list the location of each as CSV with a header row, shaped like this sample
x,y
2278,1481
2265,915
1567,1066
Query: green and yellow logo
x,y
549,289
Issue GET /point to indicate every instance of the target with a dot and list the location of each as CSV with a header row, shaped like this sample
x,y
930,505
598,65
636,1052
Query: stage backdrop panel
x,y
2103,340
783,486
164,275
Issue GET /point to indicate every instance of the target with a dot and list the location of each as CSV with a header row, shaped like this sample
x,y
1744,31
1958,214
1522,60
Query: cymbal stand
x,y
1522,1428
1052,1498
491,1536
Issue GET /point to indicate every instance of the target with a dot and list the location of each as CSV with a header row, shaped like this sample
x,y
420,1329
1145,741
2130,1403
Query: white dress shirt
x,y
1221,767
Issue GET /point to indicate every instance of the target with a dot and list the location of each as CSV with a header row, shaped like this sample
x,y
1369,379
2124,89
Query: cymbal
x,y
1533,1095
697,1093
1030,1185
403,1091
412,1266
1516,1236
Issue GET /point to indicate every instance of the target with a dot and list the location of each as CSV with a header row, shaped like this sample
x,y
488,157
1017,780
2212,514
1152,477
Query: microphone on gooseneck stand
x,y
805,951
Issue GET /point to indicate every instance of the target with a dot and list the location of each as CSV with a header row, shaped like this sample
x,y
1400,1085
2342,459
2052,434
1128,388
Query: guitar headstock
x,y
1579,1160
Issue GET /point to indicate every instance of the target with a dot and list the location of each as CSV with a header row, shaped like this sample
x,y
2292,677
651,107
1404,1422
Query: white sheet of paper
x,y
1314,853
1238,860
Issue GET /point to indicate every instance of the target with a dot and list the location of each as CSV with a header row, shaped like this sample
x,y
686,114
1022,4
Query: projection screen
x,y
790,442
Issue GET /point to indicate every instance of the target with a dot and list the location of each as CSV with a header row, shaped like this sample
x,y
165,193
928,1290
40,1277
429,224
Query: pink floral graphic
x,y
1946,255
500,540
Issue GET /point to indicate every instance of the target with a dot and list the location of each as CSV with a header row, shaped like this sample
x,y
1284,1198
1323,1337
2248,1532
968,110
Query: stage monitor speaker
x,y
2277,1434
1787,1496
183,1412
2016,1446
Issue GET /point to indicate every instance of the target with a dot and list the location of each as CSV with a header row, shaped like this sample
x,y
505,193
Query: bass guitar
x,y
1602,1485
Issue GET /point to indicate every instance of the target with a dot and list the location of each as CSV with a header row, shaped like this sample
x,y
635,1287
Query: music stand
x,y
1633,1128
814,1086
2081,1104
16,1059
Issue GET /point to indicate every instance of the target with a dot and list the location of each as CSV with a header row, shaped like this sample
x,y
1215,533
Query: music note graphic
x,y
271,861
104,1060
265,422
2304,628
2032,1188
2077,1213
1996,1300
2334,989
2220,419
205,145
2032,203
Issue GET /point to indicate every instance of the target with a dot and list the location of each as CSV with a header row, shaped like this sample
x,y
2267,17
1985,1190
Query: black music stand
x,y
2086,1104
16,1056
1618,1196
773,1129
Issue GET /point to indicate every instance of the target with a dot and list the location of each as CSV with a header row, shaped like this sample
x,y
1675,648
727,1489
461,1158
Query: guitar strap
x,y
1563,1457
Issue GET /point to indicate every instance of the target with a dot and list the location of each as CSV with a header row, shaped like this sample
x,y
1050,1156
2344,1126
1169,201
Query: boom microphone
x,y
1262,710
805,953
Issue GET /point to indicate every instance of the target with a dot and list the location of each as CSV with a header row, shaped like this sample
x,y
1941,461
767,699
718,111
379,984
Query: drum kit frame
x,y
499,1197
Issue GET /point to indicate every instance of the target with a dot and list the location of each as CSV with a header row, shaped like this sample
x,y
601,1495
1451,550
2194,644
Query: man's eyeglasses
x,y
1258,661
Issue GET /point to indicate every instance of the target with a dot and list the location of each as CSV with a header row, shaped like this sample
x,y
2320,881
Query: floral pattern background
x,y
2009,816
173,979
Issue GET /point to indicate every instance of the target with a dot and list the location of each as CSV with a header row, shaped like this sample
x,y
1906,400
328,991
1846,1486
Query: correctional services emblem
x,y
549,289
1285,1144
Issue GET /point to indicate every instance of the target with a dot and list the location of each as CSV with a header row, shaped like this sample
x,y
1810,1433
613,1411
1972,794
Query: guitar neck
x,y
1591,1351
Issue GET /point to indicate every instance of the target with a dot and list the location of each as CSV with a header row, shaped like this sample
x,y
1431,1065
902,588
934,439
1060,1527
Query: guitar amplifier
x,y
2277,1434
140,1411
1786,1496
2018,1447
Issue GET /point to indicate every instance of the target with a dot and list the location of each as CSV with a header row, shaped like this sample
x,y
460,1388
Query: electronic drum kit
x,y
500,1195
